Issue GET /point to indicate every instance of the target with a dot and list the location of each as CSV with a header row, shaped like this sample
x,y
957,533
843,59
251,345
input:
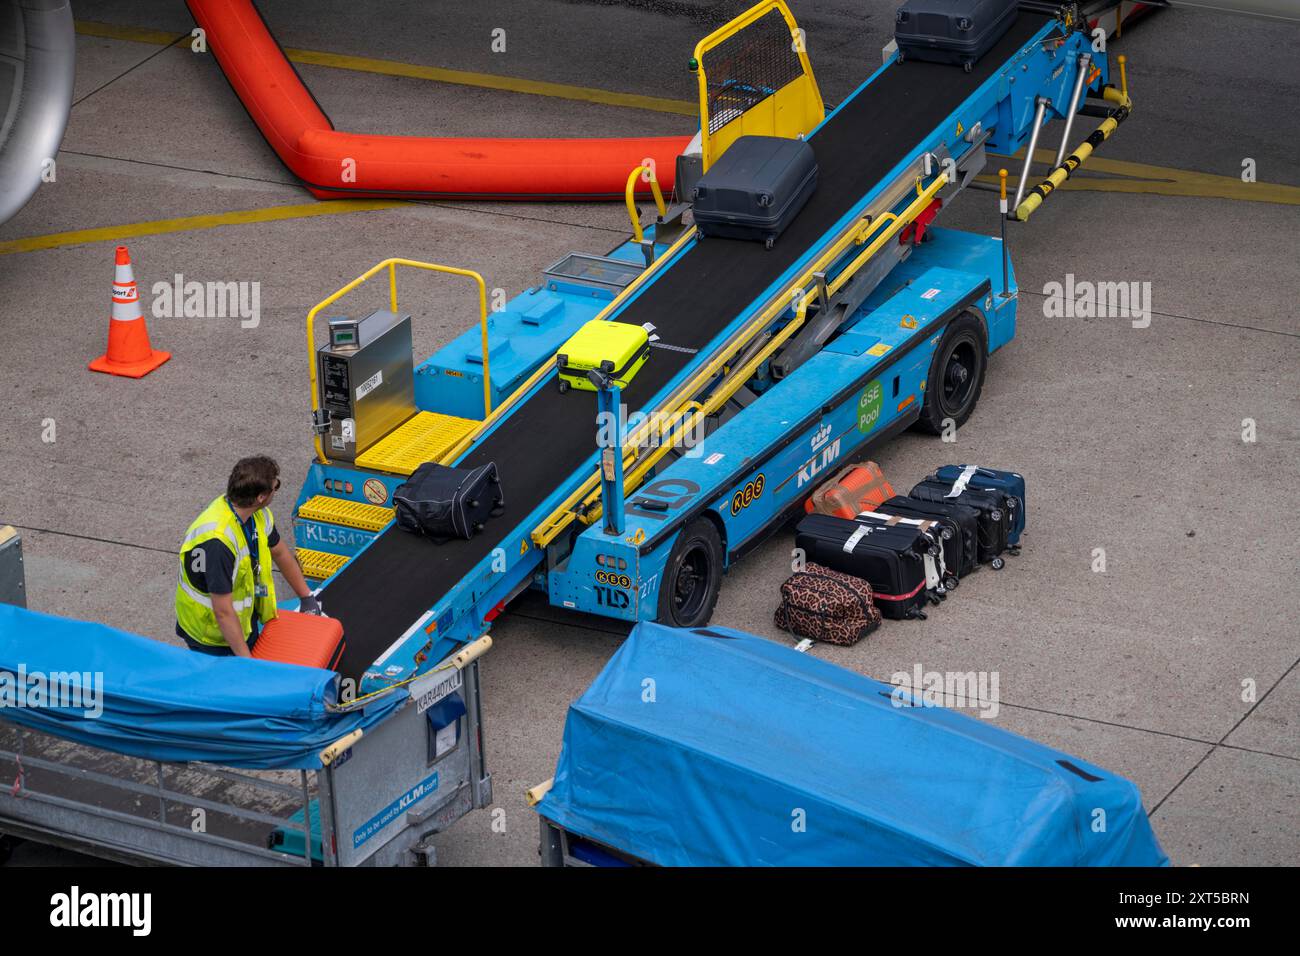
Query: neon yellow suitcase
x,y
618,349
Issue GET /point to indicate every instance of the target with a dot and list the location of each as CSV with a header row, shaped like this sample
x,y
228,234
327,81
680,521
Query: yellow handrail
x,y
391,265
816,108
588,497
631,204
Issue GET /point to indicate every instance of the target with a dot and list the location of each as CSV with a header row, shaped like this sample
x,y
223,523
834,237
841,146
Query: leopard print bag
x,y
828,606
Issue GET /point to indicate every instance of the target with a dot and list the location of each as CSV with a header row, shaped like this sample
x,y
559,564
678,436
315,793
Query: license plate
x,y
428,698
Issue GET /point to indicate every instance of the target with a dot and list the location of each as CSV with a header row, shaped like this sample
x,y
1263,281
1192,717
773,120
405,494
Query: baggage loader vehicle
x,y
768,369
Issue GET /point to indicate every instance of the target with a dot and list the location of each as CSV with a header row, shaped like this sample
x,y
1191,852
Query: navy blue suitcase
x,y
951,31
990,479
755,189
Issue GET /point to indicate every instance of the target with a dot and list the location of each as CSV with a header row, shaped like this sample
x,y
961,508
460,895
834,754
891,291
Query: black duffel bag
x,y
442,502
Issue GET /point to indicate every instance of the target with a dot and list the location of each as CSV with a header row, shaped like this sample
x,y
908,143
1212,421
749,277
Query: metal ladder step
x,y
319,565
350,514
426,436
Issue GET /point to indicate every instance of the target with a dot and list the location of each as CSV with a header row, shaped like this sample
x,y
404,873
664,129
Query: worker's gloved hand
x,y
310,605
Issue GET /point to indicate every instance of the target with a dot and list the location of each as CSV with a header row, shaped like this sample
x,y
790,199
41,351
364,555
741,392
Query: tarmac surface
x,y
1176,666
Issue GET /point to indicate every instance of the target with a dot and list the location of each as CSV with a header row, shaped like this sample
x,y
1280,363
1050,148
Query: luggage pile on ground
x,y
909,551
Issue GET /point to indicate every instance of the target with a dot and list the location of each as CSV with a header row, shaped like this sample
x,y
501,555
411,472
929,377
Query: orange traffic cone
x,y
129,352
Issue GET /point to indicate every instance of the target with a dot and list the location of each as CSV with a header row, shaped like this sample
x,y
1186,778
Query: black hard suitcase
x,y
891,560
755,189
951,31
994,518
963,556
441,502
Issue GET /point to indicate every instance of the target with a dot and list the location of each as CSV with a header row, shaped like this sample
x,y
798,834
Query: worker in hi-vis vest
x,y
225,592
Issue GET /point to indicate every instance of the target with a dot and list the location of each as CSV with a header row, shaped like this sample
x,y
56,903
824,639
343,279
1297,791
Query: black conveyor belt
x,y
538,448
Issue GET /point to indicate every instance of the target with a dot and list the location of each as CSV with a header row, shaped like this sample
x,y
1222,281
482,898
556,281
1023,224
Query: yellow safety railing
x,y
790,111
391,265
584,503
1103,132
649,172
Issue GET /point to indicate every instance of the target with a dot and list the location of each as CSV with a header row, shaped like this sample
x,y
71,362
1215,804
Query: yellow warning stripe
x,y
362,64
156,227
1163,181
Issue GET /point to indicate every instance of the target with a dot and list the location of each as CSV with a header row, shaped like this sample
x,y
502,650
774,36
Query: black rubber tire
x,y
692,577
964,346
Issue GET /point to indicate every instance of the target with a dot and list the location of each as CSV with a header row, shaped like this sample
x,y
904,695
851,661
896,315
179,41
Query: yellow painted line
x,y
158,227
112,31
1160,181
492,82
488,81
1142,178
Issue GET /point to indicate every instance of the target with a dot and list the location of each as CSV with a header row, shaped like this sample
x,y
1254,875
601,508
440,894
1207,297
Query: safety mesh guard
x,y
748,67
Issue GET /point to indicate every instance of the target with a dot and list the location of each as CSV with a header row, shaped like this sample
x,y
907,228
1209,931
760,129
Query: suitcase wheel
x,y
995,514
967,66
998,564
478,527
564,386
771,240
950,583
946,534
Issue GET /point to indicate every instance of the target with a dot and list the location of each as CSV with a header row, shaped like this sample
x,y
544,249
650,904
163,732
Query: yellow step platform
x,y
319,565
425,437
350,514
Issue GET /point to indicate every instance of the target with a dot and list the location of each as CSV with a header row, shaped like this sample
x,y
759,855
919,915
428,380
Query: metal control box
x,y
368,387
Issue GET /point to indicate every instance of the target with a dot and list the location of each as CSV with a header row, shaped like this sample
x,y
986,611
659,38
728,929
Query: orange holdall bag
x,y
857,488
292,637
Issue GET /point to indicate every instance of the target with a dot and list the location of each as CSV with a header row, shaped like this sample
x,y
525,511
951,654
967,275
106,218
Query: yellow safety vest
x,y
193,607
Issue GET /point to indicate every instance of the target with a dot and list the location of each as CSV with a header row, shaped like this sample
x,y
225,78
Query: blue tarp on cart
x,y
96,685
716,747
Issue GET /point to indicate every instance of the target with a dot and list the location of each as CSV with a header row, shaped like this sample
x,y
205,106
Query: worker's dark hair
x,y
251,477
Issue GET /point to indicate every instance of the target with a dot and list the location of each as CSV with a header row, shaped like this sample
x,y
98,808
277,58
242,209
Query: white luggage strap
x,y
860,532
962,481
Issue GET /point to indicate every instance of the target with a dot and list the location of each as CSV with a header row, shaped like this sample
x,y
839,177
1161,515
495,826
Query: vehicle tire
x,y
956,375
692,577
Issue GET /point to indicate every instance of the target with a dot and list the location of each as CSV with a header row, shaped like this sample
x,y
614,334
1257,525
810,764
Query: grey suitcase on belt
x,y
755,189
951,31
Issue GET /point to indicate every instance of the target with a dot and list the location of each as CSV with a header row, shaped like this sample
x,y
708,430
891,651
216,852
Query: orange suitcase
x,y
297,638
857,488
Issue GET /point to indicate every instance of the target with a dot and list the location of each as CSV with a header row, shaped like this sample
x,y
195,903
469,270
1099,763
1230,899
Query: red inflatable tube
x,y
337,165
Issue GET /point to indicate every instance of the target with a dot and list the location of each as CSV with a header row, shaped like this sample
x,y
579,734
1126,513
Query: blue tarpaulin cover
x,y
716,747
164,702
